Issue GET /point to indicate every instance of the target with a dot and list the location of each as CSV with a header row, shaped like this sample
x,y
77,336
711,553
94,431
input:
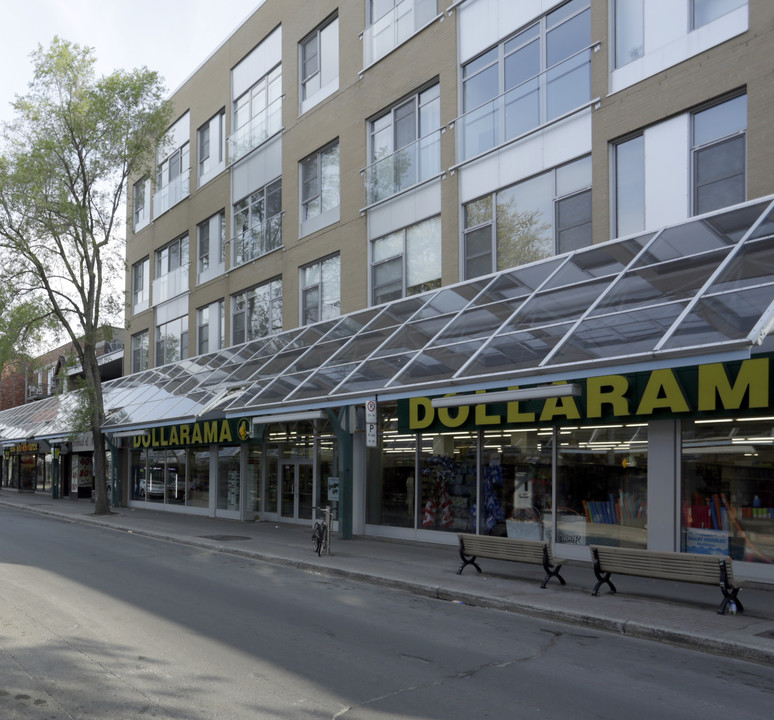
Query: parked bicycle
x,y
321,534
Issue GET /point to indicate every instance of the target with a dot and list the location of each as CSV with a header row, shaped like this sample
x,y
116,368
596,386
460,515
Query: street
x,y
103,624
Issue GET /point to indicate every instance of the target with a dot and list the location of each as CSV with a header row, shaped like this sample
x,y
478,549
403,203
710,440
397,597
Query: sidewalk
x,y
677,613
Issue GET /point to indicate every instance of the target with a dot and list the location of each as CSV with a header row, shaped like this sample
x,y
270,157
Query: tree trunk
x,y
91,374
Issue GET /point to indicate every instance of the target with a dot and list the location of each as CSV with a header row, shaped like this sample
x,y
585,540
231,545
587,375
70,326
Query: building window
x,y
319,63
406,262
141,286
534,219
212,247
719,155
320,183
405,145
141,202
140,351
629,168
257,114
212,147
210,327
321,290
629,31
257,312
392,22
705,11
172,179
171,270
172,341
258,223
533,77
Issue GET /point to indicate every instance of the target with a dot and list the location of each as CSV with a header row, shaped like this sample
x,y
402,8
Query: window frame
x,y
161,358
326,31
320,286
141,210
213,166
206,269
239,311
141,285
323,215
267,198
137,348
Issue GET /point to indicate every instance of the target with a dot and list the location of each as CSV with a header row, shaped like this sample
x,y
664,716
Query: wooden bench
x,y
685,567
536,552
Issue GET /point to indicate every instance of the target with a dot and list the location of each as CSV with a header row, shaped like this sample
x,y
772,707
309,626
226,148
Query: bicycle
x,y
321,538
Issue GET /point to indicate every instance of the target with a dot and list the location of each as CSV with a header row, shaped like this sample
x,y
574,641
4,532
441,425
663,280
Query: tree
x,y
64,165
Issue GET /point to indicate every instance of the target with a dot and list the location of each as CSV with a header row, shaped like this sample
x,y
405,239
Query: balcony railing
x,y
259,128
395,27
172,193
170,285
545,97
412,164
257,240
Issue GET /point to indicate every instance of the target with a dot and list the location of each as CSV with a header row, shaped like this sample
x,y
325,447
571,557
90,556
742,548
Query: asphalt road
x,y
101,624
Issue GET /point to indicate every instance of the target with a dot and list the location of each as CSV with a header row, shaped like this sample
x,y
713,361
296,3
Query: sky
x,y
172,37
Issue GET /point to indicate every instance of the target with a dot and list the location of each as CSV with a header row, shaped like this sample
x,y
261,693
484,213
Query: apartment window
x,y
533,77
534,219
705,11
320,182
392,22
405,145
171,270
212,246
257,312
629,31
172,179
257,114
210,327
406,262
140,351
719,155
258,223
629,159
172,341
141,285
319,63
141,202
321,290
212,147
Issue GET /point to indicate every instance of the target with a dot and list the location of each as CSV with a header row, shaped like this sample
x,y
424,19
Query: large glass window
x,y
212,147
141,285
140,351
629,31
258,223
166,477
141,200
257,312
407,262
319,64
172,179
229,479
629,186
392,22
531,78
171,270
547,214
199,478
210,327
172,341
405,145
212,246
321,290
320,182
719,155
705,11
727,492
257,114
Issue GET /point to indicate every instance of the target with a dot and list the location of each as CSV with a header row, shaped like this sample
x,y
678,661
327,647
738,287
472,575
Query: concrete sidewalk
x,y
677,613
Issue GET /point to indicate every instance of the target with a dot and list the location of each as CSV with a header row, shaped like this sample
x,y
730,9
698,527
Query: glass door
x,y
297,489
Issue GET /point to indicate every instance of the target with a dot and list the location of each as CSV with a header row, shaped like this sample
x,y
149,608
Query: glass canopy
x,y
696,289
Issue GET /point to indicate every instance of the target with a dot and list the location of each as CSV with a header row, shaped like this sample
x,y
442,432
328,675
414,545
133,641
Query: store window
x,y
199,478
257,312
212,247
166,477
257,114
321,290
727,492
258,223
140,351
229,479
407,262
534,219
319,64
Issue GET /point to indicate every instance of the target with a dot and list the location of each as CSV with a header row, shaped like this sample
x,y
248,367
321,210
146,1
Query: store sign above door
x,y
740,387
210,432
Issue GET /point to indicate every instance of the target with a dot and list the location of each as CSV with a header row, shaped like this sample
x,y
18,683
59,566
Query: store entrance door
x,y
297,489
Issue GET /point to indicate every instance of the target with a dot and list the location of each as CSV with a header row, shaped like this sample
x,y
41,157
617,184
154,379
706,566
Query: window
x,y
257,312
320,183
212,247
629,31
258,223
705,11
140,351
171,270
533,77
212,147
319,63
405,145
407,262
172,341
719,155
547,214
141,199
141,286
210,327
392,22
257,114
321,290
629,186
172,181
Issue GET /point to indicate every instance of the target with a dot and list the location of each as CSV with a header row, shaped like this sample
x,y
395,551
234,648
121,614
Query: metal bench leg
x,y
602,577
467,560
550,571
729,592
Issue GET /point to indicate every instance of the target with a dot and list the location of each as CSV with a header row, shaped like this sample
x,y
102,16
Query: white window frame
x,y
211,261
262,233
326,308
320,79
211,318
141,285
140,351
181,325
141,202
257,114
211,147
240,303
318,206
172,270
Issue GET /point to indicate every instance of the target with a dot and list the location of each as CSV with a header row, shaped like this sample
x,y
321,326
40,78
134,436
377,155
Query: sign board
x,y
333,489
372,439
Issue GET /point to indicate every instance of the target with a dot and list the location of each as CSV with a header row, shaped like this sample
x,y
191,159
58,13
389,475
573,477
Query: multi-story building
x,y
366,205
